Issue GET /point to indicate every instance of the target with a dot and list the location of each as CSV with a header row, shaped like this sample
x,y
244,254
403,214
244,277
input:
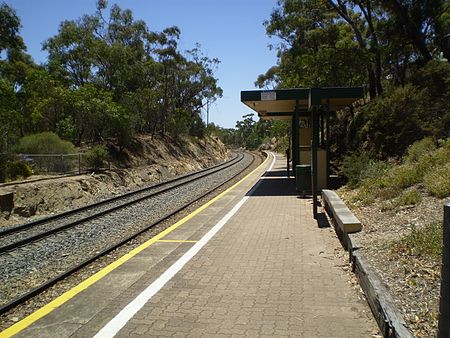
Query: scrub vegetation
x,y
426,241
425,166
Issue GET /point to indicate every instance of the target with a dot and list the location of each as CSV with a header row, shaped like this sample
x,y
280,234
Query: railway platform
x,y
251,262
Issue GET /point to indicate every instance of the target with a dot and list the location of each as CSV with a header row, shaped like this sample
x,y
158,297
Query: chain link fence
x,y
60,163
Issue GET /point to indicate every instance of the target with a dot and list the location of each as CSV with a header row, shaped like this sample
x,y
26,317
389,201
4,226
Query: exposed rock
x,y
157,159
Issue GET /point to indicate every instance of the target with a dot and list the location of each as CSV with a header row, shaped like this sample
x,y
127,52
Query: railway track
x,y
16,236
48,250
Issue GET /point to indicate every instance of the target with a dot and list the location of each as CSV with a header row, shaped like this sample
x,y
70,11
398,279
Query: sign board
x,y
268,96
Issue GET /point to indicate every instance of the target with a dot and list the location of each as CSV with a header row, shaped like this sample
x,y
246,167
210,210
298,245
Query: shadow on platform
x,y
276,173
274,185
322,220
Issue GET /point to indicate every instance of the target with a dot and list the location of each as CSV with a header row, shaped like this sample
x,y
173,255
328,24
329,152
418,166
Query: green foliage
x,y
283,144
408,197
107,77
363,197
317,49
252,134
384,45
426,241
360,167
18,169
418,149
437,181
353,167
44,143
227,135
433,80
12,168
401,177
425,163
66,128
389,124
393,121
9,30
96,157
197,127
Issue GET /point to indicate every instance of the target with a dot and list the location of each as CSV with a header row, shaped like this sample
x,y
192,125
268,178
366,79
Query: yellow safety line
x,y
46,309
176,241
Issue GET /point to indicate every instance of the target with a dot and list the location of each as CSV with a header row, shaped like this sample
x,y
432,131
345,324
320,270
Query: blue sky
x,y
230,30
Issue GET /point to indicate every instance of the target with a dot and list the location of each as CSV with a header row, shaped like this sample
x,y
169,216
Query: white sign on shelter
x,y
268,96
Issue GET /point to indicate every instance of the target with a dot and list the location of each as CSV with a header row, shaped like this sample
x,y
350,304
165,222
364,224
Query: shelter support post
x,y
295,137
314,146
313,105
322,132
327,140
444,303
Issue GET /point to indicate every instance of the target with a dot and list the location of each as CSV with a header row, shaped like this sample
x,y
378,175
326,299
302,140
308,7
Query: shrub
x,y
408,197
353,166
364,197
374,171
434,78
12,168
402,176
419,149
393,122
426,241
97,156
388,192
360,169
390,183
424,156
437,181
18,169
44,143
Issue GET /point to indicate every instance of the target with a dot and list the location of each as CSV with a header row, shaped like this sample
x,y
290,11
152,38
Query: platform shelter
x,y
309,110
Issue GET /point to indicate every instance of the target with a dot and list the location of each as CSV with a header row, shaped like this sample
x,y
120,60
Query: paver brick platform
x,y
270,271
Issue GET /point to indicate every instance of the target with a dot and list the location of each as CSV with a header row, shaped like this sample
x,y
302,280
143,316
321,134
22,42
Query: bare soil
x,y
413,280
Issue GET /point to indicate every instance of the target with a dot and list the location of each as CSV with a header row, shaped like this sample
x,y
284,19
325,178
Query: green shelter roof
x,y
280,103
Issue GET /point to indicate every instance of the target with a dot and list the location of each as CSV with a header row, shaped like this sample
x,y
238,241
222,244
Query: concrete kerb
x,y
387,315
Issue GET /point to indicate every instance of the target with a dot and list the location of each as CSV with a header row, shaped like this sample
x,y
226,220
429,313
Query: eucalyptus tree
x,y
156,86
343,42
14,67
316,49
10,40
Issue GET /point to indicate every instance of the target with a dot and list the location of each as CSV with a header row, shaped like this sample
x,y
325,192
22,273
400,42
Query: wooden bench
x,y
341,214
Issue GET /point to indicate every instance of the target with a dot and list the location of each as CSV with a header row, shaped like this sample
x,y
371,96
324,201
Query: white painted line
x,y
119,321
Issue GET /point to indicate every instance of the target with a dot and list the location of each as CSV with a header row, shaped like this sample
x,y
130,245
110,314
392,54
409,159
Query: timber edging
x,y
385,312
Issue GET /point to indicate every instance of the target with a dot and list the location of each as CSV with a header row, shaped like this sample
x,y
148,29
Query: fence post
x,y
444,302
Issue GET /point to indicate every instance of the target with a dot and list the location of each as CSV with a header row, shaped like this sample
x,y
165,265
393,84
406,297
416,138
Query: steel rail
x,y
21,227
203,173
44,286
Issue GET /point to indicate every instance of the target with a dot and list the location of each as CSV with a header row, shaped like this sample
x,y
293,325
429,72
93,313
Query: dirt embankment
x,y
151,160
413,278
